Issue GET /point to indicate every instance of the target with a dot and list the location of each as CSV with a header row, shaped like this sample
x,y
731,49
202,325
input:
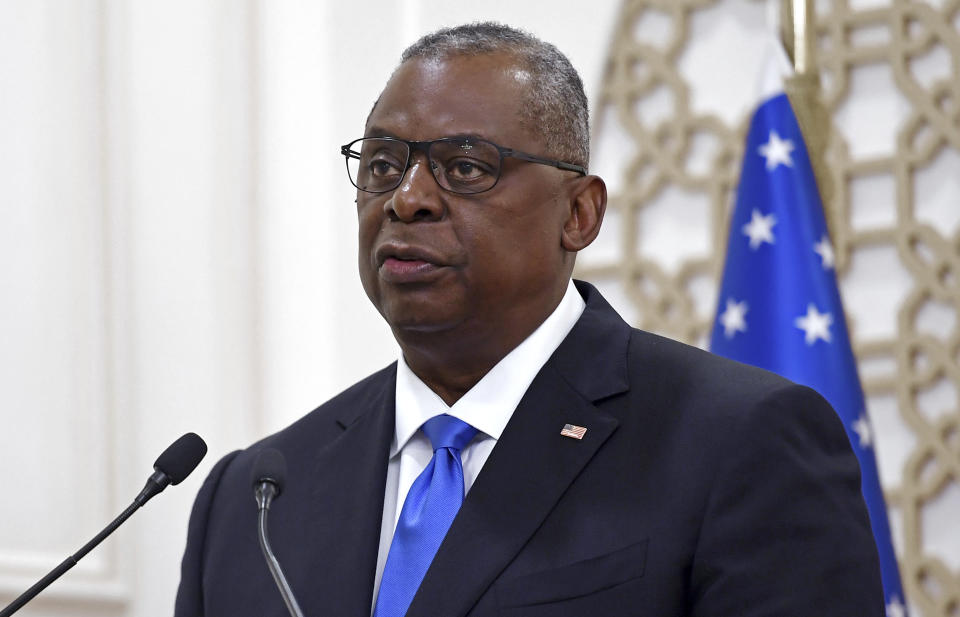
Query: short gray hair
x,y
556,105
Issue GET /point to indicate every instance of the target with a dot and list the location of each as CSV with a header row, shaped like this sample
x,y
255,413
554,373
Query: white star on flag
x,y
733,319
825,250
760,229
862,428
815,324
777,151
896,608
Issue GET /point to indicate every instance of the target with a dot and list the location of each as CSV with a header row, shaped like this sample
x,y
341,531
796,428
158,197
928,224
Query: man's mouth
x,y
395,264
405,264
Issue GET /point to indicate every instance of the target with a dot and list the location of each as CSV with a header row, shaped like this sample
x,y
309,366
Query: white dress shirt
x,y
487,406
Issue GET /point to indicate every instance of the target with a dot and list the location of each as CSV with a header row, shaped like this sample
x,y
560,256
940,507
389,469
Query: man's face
x,y
431,260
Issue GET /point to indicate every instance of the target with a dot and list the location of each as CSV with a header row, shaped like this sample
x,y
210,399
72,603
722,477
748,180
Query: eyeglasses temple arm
x,y
551,162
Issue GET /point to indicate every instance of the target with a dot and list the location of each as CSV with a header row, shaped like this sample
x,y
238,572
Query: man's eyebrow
x,y
376,131
468,136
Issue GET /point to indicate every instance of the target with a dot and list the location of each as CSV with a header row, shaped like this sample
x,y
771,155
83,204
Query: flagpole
x,y
798,33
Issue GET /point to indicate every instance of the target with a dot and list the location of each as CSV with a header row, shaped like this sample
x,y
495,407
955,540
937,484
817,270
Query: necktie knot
x,y
448,432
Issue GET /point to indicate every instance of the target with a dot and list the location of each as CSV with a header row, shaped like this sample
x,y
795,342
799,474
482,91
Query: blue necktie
x,y
429,509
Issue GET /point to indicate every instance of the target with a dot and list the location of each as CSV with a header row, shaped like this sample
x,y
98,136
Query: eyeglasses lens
x,y
465,165
377,165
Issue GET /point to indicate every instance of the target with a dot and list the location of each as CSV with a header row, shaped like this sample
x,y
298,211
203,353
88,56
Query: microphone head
x,y
181,457
271,467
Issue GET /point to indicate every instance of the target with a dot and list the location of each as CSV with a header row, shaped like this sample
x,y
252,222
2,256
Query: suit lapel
x,y
348,506
532,464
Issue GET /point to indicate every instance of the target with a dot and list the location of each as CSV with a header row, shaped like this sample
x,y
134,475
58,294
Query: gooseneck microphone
x,y
172,466
269,473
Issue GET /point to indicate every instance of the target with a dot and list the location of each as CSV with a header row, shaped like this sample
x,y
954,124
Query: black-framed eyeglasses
x,y
464,165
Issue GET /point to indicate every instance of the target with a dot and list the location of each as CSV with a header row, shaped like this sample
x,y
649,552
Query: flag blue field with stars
x,y
779,307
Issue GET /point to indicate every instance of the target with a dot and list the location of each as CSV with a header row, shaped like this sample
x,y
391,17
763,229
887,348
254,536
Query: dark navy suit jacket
x,y
702,487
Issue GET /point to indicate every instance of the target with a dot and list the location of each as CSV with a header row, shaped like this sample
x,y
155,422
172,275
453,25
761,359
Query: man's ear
x,y
587,205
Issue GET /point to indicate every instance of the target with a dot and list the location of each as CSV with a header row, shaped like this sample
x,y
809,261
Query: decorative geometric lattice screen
x,y
894,217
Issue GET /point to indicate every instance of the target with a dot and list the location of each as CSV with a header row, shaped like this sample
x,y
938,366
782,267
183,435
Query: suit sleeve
x,y
189,601
786,531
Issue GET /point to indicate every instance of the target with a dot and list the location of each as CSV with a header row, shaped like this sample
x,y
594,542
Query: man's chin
x,y
421,324
421,308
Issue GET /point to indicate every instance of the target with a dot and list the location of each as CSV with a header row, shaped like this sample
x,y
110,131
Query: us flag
x,y
572,430
779,307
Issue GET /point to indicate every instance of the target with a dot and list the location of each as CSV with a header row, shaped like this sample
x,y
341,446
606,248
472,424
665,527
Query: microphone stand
x,y
264,494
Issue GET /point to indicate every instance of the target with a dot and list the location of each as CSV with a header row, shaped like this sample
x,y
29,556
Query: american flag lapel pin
x,y
573,431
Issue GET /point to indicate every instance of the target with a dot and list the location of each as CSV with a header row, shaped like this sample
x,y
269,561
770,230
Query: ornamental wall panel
x,y
670,123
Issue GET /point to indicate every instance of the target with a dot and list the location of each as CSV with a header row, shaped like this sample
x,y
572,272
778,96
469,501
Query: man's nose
x,y
418,198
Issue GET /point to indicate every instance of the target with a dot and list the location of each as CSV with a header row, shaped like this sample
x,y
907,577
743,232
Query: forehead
x,y
482,95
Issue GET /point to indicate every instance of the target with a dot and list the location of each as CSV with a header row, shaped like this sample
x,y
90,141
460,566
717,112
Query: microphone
x,y
171,467
269,473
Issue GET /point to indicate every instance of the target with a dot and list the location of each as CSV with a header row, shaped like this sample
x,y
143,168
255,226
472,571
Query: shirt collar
x,y
489,404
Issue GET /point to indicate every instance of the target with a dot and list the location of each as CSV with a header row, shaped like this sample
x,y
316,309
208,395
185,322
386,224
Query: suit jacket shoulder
x,y
336,456
711,488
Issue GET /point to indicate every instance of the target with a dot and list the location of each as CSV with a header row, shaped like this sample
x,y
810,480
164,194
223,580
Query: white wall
x,y
178,250
178,253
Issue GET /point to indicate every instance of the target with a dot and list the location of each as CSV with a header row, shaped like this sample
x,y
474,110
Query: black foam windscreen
x,y
270,466
181,457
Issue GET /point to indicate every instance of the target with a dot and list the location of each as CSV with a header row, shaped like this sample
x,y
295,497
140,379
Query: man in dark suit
x,y
602,470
